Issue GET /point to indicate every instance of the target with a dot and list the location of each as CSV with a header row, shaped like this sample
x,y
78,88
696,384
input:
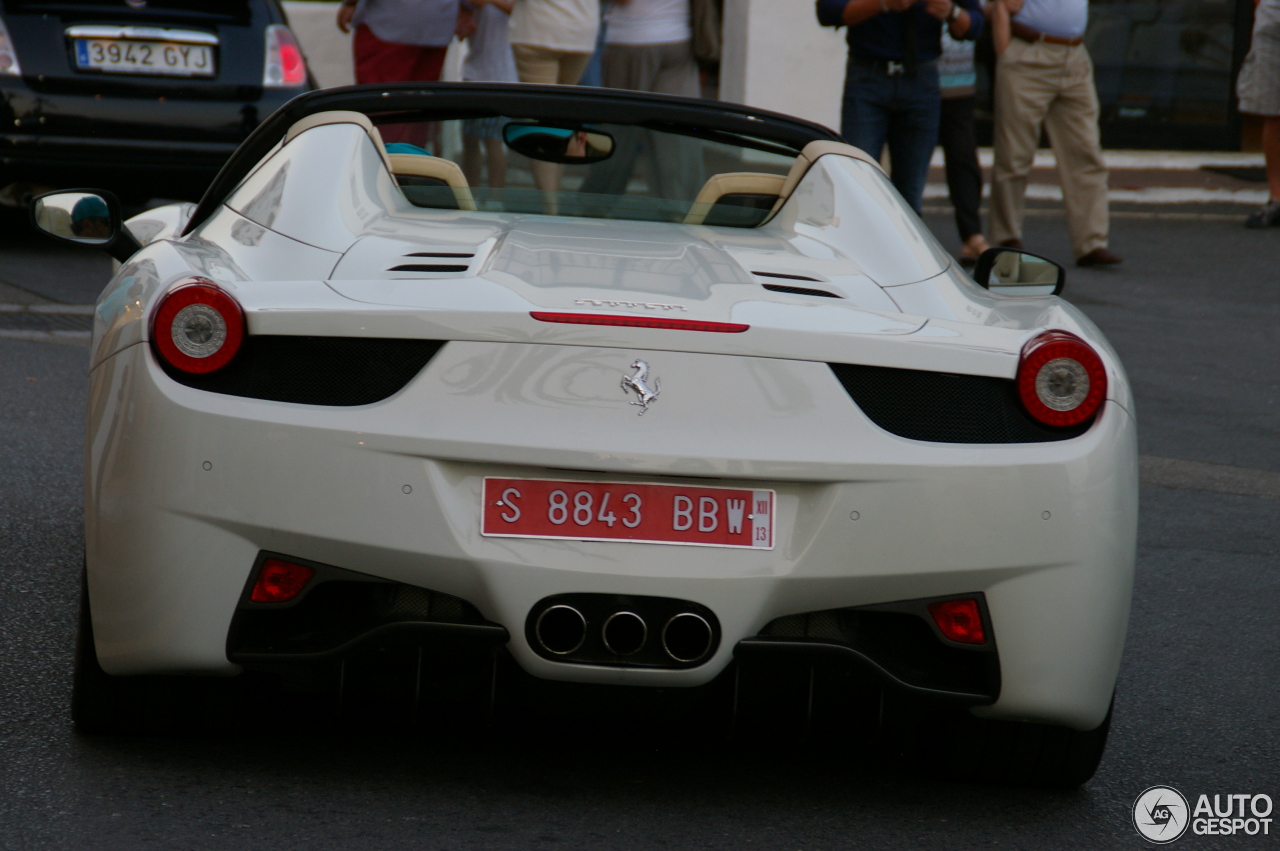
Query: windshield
x,y
594,170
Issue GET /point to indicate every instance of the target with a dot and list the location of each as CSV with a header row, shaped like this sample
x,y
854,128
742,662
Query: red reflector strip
x,y
280,581
959,620
640,322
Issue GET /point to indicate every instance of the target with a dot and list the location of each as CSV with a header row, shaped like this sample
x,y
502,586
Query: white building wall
x,y
777,57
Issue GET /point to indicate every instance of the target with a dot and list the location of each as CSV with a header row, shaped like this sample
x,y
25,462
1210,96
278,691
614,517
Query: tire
x,y
104,704
1025,753
100,703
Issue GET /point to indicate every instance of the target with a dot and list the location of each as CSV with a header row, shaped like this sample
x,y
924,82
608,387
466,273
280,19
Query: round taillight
x,y
197,328
1061,381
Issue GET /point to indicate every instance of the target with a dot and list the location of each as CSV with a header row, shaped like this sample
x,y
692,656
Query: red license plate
x,y
617,511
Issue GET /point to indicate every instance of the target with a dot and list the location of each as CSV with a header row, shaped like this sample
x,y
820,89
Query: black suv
x,y
145,97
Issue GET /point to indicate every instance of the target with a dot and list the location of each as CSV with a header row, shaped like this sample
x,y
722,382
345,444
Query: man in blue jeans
x,y
891,91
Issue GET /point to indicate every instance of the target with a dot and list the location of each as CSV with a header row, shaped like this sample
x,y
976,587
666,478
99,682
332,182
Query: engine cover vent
x,y
786,277
779,288
428,267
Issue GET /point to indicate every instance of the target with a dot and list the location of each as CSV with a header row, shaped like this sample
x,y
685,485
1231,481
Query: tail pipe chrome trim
x,y
560,629
624,633
687,637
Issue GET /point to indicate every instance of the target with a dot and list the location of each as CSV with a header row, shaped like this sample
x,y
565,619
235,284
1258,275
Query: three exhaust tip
x,y
686,637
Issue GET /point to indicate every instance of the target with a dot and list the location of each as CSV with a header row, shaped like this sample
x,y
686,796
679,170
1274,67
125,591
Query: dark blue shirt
x,y
883,36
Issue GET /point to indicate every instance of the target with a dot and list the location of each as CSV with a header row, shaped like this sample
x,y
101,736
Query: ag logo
x,y
1160,814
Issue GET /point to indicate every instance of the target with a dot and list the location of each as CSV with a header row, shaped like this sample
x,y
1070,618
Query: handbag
x,y
705,21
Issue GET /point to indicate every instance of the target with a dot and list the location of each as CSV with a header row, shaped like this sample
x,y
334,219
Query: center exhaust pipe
x,y
687,637
560,629
624,633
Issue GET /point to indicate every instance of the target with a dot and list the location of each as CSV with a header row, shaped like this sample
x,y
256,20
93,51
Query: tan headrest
x,y
417,165
339,116
731,183
810,155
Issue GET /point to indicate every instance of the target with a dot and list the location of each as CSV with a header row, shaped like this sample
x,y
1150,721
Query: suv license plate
x,y
130,56
628,511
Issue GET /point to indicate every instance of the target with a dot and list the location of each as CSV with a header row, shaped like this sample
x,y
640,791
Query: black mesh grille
x,y
943,407
335,613
901,643
317,370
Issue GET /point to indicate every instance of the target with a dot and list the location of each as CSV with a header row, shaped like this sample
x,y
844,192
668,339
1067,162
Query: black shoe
x,y
1099,258
1268,216
1015,244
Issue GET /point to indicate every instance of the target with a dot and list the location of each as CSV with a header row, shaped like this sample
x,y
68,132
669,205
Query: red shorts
x,y
379,61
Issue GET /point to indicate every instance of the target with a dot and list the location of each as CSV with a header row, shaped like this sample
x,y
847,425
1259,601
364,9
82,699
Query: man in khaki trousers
x,y
1044,78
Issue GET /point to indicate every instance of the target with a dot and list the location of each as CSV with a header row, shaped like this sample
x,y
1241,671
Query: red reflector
x,y
959,620
280,581
640,322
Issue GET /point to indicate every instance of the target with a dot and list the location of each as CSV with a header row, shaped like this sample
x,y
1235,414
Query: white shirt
x,y
568,25
489,58
649,22
1059,18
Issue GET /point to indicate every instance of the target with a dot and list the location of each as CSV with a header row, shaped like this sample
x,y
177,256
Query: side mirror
x,y
1012,271
85,217
564,145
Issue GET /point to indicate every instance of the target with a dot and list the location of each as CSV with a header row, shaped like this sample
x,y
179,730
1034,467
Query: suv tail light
x,y
197,328
1061,381
285,66
8,55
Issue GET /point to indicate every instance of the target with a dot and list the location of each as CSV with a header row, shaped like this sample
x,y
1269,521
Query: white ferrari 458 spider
x,y
603,388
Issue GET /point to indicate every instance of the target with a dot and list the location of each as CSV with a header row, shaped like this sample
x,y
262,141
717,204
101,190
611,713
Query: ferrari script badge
x,y
637,384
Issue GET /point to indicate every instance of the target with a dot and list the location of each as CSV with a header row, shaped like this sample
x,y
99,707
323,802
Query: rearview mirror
x,y
564,145
84,217
1011,271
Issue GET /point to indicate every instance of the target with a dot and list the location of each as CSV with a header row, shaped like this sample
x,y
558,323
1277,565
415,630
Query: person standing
x,y
1044,80
649,48
891,92
402,40
489,60
958,80
1258,88
553,39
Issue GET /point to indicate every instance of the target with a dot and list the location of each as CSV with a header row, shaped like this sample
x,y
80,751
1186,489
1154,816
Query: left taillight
x,y
285,67
197,328
8,54
1061,380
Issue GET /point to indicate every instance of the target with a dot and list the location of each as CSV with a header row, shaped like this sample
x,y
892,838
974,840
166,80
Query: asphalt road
x,y
1193,313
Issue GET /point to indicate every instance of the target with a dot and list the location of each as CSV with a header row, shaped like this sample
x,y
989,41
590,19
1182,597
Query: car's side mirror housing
x,y
1012,271
85,217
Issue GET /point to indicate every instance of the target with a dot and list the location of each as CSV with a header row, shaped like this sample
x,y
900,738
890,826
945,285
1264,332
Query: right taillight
x,y
197,328
8,55
1061,381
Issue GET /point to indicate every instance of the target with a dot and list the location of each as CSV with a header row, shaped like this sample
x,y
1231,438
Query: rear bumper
x,y
1046,531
